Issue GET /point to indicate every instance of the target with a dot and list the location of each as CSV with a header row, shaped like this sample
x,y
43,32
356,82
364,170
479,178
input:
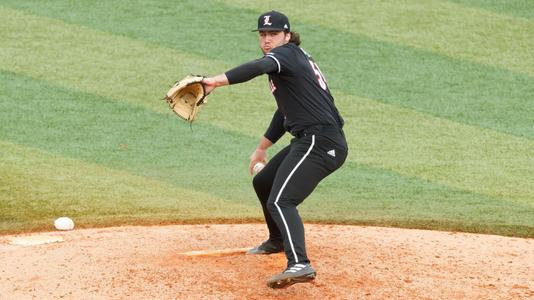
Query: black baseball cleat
x,y
267,247
297,273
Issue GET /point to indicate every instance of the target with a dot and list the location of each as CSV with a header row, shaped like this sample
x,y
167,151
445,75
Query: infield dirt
x,y
352,262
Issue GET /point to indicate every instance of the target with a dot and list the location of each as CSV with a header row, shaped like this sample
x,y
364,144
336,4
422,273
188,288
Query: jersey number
x,y
320,77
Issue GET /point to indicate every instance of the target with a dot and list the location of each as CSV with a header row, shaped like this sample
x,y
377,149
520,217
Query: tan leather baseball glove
x,y
186,96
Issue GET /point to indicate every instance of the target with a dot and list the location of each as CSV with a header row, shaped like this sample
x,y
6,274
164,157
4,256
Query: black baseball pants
x,y
289,177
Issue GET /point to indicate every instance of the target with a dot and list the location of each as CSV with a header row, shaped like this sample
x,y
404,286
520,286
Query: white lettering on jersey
x,y
318,74
316,70
266,20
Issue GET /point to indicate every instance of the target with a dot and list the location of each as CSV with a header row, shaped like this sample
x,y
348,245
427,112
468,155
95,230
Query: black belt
x,y
319,129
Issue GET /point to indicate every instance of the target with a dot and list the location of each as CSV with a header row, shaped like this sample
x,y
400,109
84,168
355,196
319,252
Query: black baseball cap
x,y
273,21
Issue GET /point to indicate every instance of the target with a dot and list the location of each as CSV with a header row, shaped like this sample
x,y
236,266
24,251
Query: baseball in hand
x,y
258,167
64,223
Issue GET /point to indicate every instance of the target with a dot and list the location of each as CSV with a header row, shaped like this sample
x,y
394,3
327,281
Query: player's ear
x,y
287,36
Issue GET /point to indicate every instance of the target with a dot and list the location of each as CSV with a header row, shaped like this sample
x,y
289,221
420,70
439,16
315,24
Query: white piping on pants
x,y
280,193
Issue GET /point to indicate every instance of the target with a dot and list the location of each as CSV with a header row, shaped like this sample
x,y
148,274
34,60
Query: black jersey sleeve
x,y
276,129
247,71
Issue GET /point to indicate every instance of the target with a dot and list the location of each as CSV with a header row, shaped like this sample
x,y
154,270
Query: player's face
x,y
272,39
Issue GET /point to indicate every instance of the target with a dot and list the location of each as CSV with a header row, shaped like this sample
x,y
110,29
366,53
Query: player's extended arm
x,y
242,73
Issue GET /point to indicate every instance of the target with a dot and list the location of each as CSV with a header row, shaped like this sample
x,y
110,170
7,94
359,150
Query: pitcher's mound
x,y
351,262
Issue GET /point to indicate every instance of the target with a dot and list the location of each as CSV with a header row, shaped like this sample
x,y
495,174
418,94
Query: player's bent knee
x,y
271,206
282,203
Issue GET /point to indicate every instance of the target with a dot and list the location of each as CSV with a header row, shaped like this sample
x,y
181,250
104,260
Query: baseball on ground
x,y
64,223
258,167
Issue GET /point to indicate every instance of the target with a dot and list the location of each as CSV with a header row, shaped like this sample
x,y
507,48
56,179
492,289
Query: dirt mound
x,y
351,262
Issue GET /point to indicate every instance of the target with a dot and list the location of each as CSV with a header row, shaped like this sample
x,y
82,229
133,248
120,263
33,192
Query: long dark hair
x,y
295,38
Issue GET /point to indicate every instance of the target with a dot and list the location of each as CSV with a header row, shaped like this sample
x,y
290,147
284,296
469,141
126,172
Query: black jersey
x,y
299,87
300,90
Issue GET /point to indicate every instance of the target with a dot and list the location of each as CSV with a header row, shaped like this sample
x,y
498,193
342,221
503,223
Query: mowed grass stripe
x,y
516,8
439,150
353,136
139,142
383,198
208,28
89,60
459,90
38,187
438,26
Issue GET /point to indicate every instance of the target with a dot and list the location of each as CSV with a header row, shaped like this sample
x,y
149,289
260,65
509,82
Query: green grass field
x,y
438,98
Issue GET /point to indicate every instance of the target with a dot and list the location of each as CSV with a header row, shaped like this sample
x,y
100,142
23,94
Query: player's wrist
x,y
220,80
